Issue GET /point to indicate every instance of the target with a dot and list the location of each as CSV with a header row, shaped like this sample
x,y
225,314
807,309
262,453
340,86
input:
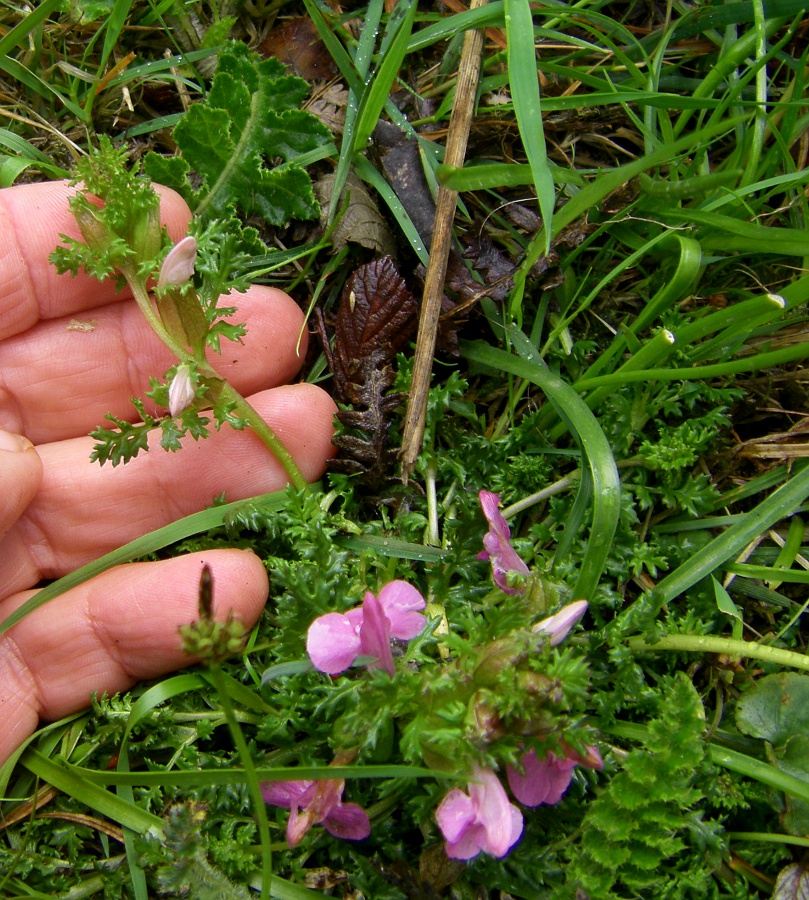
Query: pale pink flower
x,y
335,640
497,544
558,626
178,266
482,821
317,803
546,780
182,390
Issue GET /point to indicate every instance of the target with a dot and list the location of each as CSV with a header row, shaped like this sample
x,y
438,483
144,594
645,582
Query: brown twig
x,y
459,125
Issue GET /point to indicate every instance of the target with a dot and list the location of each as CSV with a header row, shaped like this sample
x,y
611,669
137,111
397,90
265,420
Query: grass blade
x,y
400,26
522,68
781,503
586,431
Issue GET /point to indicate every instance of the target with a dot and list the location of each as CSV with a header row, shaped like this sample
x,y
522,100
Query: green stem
x,y
698,643
241,406
141,296
270,438
251,777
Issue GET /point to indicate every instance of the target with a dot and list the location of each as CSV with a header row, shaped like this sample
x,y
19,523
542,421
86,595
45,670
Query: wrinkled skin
x,y
71,350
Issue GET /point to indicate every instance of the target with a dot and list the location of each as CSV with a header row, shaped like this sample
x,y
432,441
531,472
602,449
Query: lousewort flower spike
x,y
334,641
497,544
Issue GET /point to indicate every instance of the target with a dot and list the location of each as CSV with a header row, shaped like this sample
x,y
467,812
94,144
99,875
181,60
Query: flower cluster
x,y
482,818
485,821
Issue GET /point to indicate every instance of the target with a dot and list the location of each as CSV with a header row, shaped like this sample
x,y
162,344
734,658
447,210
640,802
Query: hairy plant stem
x,y
241,406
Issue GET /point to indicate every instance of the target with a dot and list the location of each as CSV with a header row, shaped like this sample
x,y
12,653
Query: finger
x,y
32,218
111,632
83,510
60,378
20,477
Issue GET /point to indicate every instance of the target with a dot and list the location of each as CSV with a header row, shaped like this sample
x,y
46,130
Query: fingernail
x,y
14,442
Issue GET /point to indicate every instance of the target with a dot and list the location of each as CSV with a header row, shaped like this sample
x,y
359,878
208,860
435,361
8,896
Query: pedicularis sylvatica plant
x,y
118,213
504,705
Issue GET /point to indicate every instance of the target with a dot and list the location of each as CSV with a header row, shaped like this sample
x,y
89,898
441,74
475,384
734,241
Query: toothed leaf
x,y
249,119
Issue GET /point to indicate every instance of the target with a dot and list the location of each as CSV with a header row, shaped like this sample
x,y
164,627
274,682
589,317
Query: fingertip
x,y
274,347
20,477
174,212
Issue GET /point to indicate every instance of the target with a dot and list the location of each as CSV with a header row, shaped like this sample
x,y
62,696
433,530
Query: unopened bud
x,y
182,390
503,654
178,266
558,626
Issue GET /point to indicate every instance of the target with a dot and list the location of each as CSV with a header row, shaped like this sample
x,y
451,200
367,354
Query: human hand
x,y
72,350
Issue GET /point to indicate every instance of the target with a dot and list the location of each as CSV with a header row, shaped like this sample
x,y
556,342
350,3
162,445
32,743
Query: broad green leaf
x,y
776,709
249,118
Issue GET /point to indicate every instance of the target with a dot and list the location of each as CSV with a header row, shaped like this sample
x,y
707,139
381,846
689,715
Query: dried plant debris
x,y
399,159
298,46
361,222
375,320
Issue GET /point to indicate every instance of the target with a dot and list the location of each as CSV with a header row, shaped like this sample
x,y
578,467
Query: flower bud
x,y
182,390
503,654
558,626
178,266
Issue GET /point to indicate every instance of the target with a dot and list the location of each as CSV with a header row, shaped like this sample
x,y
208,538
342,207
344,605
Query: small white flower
x,y
182,390
178,266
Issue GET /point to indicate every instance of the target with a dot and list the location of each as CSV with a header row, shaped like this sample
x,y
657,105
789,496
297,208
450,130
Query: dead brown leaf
x,y
361,223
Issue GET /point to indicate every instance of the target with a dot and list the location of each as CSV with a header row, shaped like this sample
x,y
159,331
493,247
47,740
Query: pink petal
x,y
348,821
399,600
558,626
470,843
333,643
592,759
178,266
494,812
283,793
375,635
300,821
454,815
544,781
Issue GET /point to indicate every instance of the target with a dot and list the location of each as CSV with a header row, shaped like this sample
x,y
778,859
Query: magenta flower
x,y
559,625
335,640
546,780
481,821
497,544
317,803
178,266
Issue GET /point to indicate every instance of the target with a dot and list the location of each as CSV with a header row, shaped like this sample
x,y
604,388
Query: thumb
x,y
20,476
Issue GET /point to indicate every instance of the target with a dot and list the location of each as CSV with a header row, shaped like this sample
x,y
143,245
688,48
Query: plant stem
x,y
270,438
698,643
243,409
